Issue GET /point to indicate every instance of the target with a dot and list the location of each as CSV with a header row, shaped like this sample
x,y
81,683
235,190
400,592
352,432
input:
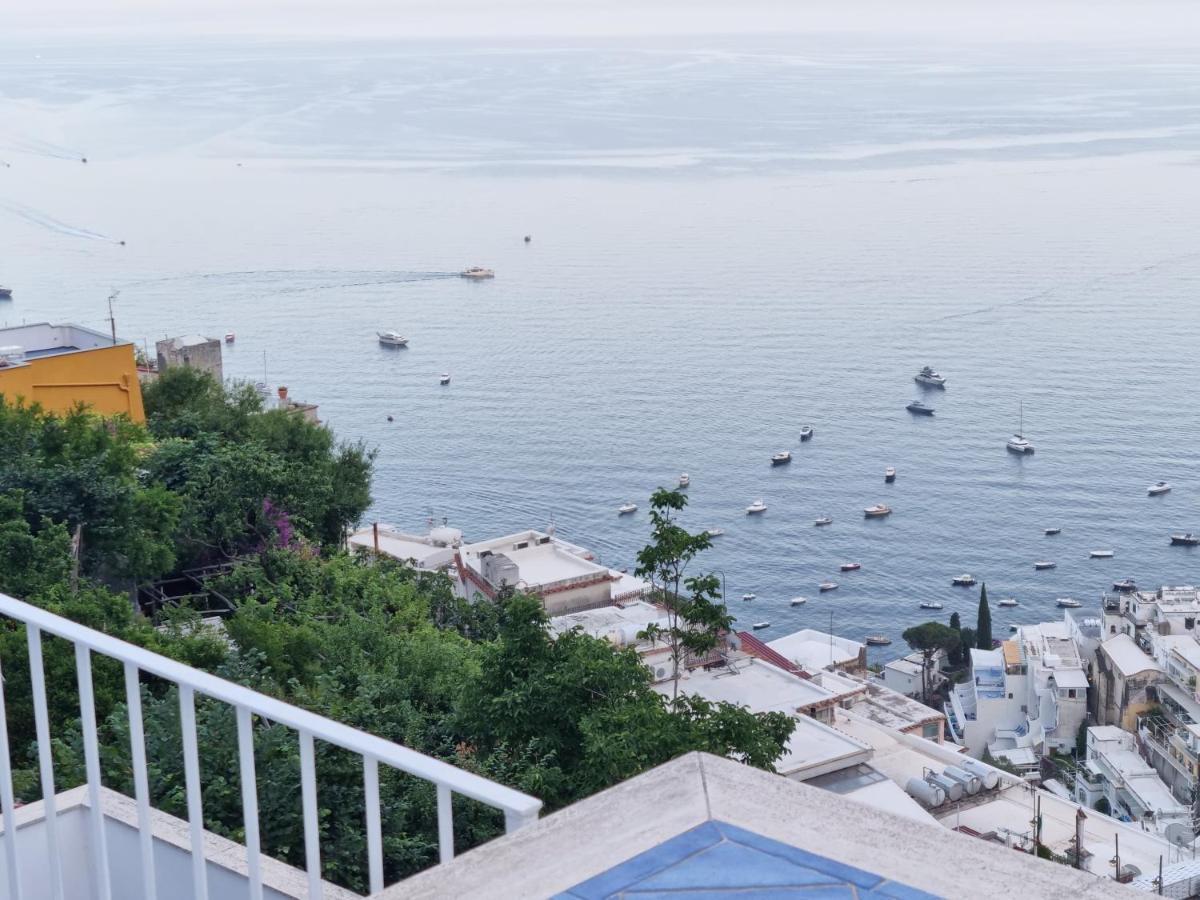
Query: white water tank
x,y
929,794
971,783
989,776
953,789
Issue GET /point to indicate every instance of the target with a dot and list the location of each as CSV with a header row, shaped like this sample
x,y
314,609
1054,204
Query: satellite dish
x,y
1179,834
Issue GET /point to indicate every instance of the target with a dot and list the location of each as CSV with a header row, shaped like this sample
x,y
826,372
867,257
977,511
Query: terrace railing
x,y
519,809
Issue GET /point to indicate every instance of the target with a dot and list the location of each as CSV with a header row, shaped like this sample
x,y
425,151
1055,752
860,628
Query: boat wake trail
x,y
36,218
1085,283
284,281
45,148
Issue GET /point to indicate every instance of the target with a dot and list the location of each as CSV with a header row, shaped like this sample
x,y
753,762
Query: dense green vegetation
x,y
213,478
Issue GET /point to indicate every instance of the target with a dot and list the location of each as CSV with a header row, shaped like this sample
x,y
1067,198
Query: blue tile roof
x,y
717,859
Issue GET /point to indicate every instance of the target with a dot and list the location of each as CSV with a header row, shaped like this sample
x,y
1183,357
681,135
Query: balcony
x,y
91,842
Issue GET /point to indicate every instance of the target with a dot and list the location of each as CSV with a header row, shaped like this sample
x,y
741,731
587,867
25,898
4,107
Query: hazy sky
x,y
1167,21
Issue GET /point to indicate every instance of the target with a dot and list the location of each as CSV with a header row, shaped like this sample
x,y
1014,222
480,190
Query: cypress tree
x,y
983,626
956,655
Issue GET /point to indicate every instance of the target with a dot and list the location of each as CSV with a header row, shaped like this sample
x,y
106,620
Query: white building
x,y
430,552
904,675
814,650
620,625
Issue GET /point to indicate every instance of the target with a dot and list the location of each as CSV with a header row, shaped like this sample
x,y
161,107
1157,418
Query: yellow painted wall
x,y
105,379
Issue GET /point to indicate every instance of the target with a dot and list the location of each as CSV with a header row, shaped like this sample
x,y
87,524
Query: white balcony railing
x,y
519,809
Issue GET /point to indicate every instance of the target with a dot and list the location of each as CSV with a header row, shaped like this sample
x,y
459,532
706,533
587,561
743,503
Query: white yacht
x,y
824,520
827,586
626,508
748,597
715,532
930,378
1068,603
782,458
1159,487
877,511
477,272
387,338
1018,443
798,601
1043,564
684,480
444,378
806,432
756,507
963,580
1008,601
930,604
759,626
1102,554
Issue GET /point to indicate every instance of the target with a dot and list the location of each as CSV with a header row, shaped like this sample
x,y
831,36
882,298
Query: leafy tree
x,y
929,638
966,643
697,622
955,656
983,625
30,561
185,403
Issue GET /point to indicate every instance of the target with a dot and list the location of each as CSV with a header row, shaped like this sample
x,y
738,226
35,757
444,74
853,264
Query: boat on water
x,y
715,532
889,474
1068,603
1042,564
1050,532
1102,554
389,339
230,337
824,520
477,273
930,604
806,432
963,580
1008,602
1185,540
444,378
748,597
5,293
877,640
1125,586
798,601
827,586
920,409
759,626
782,458
1013,627
1159,487
877,511
684,480
626,508
756,507
850,567
1018,443
930,378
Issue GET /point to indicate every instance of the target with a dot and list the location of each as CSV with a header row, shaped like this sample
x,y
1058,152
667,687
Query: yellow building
x,y
59,366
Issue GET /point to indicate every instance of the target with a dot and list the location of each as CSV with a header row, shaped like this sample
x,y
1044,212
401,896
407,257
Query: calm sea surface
x,y
730,239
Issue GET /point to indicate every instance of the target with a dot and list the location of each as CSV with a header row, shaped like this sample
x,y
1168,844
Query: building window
x,y
1070,693
931,731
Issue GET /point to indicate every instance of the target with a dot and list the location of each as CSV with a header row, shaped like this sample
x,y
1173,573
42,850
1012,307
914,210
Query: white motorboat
x,y
782,458
806,432
1008,602
477,273
1126,586
877,640
1043,564
963,580
1102,554
444,378
1050,532
684,480
824,520
889,474
877,511
392,339
715,532
827,586
5,293
918,408
1068,603
929,378
1159,487
850,567
1018,443
230,337
759,626
798,601
1185,539
626,508
748,597
930,604
756,507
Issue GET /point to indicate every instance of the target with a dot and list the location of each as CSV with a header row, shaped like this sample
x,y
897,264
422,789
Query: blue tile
x,y
840,871
647,863
733,865
820,892
894,890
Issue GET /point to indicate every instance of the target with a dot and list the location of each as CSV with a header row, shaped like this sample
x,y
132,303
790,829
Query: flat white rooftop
x,y
421,549
1128,657
625,620
43,339
754,684
813,650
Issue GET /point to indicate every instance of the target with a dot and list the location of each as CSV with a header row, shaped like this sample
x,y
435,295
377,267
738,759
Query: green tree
x,y
1081,740
983,625
955,656
698,621
929,638
31,562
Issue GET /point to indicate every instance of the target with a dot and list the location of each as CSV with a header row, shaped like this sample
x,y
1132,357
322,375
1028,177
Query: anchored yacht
x,y
387,338
756,507
1159,487
930,378
477,272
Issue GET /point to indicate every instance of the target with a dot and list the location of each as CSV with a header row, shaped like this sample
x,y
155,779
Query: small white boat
x,y
827,586
963,580
806,432
1050,532
444,378
626,508
877,640
1185,539
756,507
877,511
392,339
930,604
759,626
1043,564
1125,586
5,293
824,520
782,458
1008,601
477,273
798,601
850,567
889,474
748,597
1068,603
715,532
1102,554
929,378
684,480
1159,487
230,337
